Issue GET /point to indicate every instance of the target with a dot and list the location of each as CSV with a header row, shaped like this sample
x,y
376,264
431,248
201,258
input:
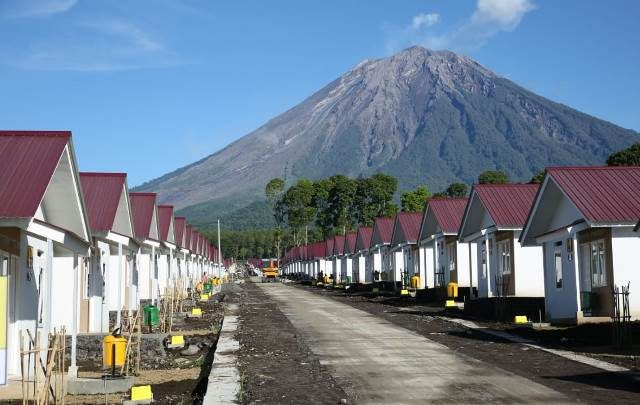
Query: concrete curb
x,y
599,364
223,386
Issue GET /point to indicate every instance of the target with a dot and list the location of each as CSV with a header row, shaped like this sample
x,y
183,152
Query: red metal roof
x,y
507,204
384,226
338,244
165,213
448,212
187,236
142,206
102,192
363,238
179,224
410,224
350,242
28,160
604,195
329,247
318,250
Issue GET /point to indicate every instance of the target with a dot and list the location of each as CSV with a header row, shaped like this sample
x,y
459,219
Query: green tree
x,y
273,191
493,177
374,198
413,201
341,199
298,205
457,190
538,177
321,193
626,157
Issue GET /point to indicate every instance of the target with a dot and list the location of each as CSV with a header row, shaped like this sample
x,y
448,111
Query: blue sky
x,y
149,86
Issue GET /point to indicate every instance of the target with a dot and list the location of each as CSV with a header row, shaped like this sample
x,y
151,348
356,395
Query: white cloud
x,y
489,18
506,14
34,8
103,45
422,20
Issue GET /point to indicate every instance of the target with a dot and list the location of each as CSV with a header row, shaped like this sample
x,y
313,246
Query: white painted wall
x,y
529,269
62,298
625,247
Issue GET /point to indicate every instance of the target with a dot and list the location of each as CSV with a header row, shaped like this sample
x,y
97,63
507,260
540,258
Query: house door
x,y
452,254
596,275
84,296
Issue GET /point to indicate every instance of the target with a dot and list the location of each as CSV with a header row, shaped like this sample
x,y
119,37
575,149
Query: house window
x,y
484,261
504,256
451,256
557,257
598,266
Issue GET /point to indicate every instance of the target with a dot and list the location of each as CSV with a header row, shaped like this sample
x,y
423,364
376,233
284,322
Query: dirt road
x,y
382,363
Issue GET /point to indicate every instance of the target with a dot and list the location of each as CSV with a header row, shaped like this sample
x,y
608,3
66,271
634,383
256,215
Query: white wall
x,y
428,264
463,260
528,268
62,288
625,246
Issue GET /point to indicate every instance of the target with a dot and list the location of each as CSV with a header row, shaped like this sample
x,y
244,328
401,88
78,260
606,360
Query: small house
x,y
444,259
404,248
362,270
167,251
44,242
348,250
106,197
584,218
142,284
494,218
379,251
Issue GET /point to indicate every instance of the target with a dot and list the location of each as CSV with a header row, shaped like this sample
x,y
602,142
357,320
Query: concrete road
x,y
386,364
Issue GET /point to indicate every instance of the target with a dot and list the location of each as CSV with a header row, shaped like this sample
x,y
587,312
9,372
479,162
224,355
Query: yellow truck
x,y
269,270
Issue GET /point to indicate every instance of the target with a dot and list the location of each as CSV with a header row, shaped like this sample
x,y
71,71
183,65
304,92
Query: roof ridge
x,y
592,167
35,133
103,174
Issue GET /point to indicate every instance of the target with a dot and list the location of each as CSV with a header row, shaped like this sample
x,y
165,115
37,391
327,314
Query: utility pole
x,y
219,252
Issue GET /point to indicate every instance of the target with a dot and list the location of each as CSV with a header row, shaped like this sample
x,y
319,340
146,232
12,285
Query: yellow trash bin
x,y
452,290
113,351
415,281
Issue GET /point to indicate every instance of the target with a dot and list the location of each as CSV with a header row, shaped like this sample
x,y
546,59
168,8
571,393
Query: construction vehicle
x,y
269,270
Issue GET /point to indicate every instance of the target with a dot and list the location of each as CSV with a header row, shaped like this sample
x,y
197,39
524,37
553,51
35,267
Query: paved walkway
x,y
386,364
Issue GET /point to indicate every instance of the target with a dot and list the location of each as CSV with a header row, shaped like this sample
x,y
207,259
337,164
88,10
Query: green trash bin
x,y
151,317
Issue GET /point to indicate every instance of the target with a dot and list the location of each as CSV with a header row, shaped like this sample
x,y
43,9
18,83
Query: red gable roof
x,y
179,224
350,242
603,195
102,192
329,247
165,213
28,160
410,225
385,228
363,238
338,245
188,231
507,204
317,250
448,212
142,206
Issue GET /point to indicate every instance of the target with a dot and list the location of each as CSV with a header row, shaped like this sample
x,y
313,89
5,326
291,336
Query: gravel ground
x,y
580,382
276,365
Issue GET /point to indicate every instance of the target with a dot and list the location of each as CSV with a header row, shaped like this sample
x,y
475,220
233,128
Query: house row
x,y
77,249
568,242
